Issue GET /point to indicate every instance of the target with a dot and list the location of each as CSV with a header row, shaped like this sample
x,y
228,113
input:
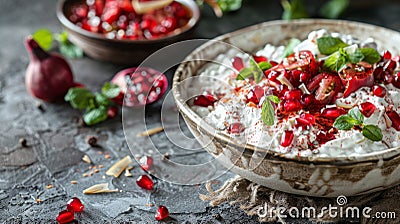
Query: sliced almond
x,y
150,132
99,188
119,167
128,173
86,159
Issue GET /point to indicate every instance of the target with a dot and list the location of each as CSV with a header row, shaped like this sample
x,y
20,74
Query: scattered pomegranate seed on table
x,y
162,213
145,182
65,217
146,162
75,205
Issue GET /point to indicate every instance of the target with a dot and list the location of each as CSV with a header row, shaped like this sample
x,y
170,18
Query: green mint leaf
x,y
333,8
44,38
95,116
110,90
244,74
293,9
70,50
290,46
356,57
329,45
356,114
258,74
372,132
229,5
62,38
345,122
370,55
273,98
330,62
79,98
268,112
342,60
264,65
102,100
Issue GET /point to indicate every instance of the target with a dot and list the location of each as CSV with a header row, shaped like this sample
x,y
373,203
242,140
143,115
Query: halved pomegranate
x,y
141,85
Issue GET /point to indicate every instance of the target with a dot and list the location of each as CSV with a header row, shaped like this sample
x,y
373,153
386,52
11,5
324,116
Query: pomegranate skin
x,y
48,76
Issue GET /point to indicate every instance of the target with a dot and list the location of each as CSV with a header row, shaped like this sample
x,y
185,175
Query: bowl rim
x,y
186,111
191,5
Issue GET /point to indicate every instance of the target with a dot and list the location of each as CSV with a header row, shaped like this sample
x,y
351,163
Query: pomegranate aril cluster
x,y
117,19
73,205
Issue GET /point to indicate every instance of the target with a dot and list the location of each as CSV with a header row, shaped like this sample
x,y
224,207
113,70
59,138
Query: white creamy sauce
x,y
232,108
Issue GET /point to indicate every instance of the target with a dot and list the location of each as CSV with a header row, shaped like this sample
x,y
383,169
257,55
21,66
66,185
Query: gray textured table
x,y
56,140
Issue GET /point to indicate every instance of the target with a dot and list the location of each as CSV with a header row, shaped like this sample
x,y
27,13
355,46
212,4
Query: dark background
x,y
56,140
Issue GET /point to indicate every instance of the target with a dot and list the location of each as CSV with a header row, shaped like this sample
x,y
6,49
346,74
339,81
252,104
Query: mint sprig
x,y
267,110
45,39
256,70
329,45
95,105
355,117
338,60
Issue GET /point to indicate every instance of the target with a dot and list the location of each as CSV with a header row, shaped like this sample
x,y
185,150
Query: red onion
x,y
48,76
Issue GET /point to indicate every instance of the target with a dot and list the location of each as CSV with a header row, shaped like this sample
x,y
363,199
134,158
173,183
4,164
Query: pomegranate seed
x,y
65,217
237,63
308,117
287,138
379,91
390,66
323,137
235,128
259,59
367,109
112,112
305,77
204,100
388,78
307,99
273,63
294,94
387,55
378,74
145,182
395,118
396,80
162,213
146,162
292,105
75,205
255,94
301,122
332,113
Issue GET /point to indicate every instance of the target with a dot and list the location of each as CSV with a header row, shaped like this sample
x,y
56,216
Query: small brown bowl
x,y
130,52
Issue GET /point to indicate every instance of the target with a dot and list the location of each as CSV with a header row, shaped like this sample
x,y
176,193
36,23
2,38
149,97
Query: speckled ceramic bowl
x,y
312,176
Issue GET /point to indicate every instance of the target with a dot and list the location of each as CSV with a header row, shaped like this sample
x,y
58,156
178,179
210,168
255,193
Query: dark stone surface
x,y
55,140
